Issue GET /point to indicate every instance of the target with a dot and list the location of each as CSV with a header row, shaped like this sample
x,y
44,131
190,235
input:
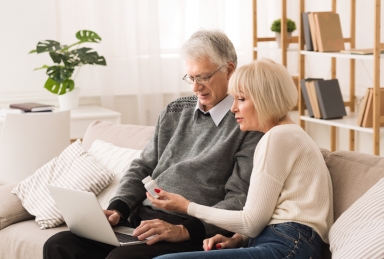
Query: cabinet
x,y
349,121
284,39
82,116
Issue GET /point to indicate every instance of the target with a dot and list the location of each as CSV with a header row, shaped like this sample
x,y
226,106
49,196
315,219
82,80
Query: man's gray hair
x,y
211,44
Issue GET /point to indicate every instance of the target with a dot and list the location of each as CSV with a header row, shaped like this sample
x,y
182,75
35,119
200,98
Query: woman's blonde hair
x,y
269,86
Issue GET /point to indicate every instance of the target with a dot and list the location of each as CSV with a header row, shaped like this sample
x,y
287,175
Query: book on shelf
x,y
32,107
312,28
306,96
328,32
360,51
368,113
307,32
330,99
362,106
310,85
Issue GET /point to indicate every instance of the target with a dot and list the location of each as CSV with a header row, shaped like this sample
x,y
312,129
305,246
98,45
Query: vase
x,y
278,38
69,100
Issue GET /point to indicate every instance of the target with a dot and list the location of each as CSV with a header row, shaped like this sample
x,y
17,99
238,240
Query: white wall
x,y
23,23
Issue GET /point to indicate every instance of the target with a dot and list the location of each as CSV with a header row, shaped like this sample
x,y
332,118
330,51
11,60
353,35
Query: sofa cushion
x,y
122,135
352,175
74,168
11,209
114,159
358,232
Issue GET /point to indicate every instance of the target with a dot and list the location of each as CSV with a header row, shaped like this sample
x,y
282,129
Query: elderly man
x,y
197,151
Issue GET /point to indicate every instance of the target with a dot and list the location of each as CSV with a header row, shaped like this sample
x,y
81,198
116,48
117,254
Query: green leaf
x,y
43,67
101,61
57,88
60,73
67,86
52,86
88,36
48,45
56,57
32,51
88,56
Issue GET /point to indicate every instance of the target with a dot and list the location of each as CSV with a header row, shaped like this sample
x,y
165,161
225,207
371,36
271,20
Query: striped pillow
x,y
73,168
358,232
115,159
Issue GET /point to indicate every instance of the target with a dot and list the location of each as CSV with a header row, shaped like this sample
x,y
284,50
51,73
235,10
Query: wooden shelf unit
x,y
350,121
284,38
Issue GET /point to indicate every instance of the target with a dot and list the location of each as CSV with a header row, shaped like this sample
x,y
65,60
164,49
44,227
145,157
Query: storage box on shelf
x,y
350,121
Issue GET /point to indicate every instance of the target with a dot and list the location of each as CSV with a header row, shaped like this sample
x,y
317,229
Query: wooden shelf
x,y
274,49
347,122
338,55
350,121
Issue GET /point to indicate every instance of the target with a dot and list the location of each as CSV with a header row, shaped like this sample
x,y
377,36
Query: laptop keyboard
x,y
124,238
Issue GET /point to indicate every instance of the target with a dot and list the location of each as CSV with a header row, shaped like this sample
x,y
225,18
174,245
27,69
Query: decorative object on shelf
x,y
66,59
276,27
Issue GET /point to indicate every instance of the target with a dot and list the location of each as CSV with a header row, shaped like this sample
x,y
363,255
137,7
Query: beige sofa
x,y
20,237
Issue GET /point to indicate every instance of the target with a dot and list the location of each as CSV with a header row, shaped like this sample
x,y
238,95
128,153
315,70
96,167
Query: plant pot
x,y
278,38
69,100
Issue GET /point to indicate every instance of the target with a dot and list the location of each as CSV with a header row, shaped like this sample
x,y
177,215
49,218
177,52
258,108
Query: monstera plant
x,y
66,59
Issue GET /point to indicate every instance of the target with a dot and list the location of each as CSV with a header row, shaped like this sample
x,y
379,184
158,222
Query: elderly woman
x,y
289,210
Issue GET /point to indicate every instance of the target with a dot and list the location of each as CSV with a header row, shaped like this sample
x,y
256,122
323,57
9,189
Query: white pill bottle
x,y
151,185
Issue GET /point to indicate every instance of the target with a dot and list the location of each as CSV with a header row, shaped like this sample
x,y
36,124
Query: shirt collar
x,y
218,112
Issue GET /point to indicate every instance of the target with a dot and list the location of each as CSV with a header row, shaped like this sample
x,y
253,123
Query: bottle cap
x,y
147,179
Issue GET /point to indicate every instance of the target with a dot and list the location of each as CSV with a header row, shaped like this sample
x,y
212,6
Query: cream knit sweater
x,y
290,183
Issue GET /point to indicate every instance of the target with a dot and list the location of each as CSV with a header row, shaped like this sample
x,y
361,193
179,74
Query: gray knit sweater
x,y
205,163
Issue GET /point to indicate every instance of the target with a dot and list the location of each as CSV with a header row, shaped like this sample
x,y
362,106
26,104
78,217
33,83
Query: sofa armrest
x,y
11,209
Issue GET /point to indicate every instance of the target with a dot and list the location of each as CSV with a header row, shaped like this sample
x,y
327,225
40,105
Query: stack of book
x,y
365,111
322,32
323,98
32,107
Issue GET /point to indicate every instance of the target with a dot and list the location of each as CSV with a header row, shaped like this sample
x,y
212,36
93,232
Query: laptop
x,y
85,217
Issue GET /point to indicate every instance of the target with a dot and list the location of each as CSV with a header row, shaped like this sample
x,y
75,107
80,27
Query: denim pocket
x,y
286,231
305,239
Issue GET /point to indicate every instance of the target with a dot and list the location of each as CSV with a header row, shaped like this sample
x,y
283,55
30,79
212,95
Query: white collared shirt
x,y
218,111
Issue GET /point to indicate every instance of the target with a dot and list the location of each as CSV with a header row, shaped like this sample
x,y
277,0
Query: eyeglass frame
x,y
188,80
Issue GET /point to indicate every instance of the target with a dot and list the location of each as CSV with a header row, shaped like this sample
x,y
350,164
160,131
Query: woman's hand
x,y
169,201
222,242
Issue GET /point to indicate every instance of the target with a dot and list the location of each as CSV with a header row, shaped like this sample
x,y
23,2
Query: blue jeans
x,y
286,240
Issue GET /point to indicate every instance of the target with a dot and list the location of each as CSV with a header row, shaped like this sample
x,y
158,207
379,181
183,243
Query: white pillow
x,y
74,168
114,159
358,232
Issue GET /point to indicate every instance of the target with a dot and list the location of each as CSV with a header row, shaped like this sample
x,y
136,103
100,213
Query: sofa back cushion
x,y
352,175
121,135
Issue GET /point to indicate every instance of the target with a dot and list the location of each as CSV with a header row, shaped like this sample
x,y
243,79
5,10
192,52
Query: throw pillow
x,y
114,159
73,168
358,232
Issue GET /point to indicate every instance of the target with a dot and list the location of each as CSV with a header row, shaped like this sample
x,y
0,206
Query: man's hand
x,y
222,242
161,231
169,201
112,216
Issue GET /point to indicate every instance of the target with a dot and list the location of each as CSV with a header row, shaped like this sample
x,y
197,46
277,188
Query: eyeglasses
x,y
200,80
